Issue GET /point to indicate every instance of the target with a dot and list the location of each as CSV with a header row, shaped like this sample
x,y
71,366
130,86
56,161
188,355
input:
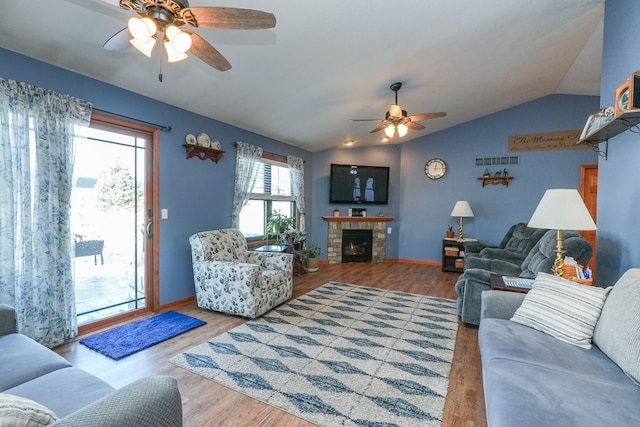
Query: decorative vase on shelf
x,y
450,234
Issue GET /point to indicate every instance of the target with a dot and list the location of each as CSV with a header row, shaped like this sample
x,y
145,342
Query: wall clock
x,y
435,168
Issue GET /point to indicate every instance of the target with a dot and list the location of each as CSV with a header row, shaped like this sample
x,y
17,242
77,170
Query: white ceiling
x,y
327,62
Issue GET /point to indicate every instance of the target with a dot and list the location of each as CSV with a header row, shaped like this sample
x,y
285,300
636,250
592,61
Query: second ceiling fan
x,y
397,122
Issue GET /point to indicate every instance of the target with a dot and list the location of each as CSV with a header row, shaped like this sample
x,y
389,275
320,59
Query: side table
x,y
453,253
299,256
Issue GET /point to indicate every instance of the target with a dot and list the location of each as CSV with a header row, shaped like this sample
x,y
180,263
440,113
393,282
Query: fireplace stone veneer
x,y
378,226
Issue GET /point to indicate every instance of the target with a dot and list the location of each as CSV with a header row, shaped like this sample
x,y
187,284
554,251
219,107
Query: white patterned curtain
x,y
36,165
296,169
247,159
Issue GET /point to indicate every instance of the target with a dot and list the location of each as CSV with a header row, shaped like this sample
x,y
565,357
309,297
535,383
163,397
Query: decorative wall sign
x,y
546,141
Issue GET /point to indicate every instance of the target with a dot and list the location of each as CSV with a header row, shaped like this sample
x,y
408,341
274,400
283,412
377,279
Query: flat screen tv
x,y
352,184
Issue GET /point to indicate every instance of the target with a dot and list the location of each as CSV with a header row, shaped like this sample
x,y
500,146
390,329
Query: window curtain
x,y
36,165
247,159
296,169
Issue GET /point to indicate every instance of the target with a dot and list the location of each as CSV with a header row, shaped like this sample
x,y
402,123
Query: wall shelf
x,y
618,125
495,180
203,152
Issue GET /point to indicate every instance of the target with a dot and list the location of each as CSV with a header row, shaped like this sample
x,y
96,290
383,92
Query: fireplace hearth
x,y
357,245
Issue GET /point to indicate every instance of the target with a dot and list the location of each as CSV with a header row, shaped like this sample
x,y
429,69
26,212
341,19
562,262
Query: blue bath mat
x,y
131,338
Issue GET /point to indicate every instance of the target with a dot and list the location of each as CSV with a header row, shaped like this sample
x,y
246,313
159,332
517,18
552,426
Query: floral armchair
x,y
231,279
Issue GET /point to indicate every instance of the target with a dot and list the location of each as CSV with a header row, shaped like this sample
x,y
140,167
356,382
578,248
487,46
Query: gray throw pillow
x,y
563,309
617,333
16,411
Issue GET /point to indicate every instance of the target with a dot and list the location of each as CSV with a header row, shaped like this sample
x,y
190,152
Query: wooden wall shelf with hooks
x,y
495,180
203,152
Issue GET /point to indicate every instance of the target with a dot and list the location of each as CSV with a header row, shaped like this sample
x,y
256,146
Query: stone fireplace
x,y
377,225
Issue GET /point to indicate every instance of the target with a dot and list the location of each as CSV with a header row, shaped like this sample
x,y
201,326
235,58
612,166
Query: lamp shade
x,y
462,209
562,209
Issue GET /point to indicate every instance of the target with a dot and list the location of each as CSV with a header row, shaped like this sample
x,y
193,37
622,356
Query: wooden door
x,y
589,193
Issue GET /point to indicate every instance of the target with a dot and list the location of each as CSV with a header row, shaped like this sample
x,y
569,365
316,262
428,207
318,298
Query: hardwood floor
x,y
206,403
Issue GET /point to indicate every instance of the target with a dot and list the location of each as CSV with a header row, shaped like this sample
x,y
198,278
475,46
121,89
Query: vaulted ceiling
x,y
327,62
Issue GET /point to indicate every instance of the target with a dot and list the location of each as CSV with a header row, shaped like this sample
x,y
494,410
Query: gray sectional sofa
x,y
513,248
533,379
477,274
32,371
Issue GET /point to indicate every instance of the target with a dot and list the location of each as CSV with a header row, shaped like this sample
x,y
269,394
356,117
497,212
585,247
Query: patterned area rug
x,y
341,355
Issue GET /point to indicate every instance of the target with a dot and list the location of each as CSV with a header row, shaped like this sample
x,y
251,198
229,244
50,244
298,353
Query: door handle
x,y
150,229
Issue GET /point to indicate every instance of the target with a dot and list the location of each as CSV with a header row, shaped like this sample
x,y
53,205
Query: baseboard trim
x,y
398,260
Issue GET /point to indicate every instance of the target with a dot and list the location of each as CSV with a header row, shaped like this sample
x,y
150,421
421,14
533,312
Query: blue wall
x,y
385,155
426,204
421,206
619,175
197,193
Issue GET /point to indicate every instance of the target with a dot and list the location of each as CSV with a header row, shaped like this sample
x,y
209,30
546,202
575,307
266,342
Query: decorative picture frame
x,y
594,122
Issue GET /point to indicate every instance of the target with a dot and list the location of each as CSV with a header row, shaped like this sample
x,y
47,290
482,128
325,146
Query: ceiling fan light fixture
x,y
390,131
142,29
402,130
180,40
145,48
172,54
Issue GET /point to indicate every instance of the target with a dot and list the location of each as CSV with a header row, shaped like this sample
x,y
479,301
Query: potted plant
x,y
298,239
450,232
278,224
313,258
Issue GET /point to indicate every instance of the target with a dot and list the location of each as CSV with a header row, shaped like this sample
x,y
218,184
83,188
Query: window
x,y
271,192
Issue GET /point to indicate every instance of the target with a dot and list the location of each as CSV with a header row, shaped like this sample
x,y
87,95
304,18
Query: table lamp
x,y
561,209
463,210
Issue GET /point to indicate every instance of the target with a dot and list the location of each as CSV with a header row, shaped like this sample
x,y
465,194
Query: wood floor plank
x,y
206,403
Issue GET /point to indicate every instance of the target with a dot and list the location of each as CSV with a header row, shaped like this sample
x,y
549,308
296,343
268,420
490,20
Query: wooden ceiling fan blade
x,y
119,41
379,128
230,18
414,126
207,53
426,116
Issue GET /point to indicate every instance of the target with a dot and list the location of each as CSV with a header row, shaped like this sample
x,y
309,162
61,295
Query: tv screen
x,y
359,184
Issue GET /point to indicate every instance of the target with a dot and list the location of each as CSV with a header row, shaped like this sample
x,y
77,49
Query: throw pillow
x,y
563,309
16,411
618,331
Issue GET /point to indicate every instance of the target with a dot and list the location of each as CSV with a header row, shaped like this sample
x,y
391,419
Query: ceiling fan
x,y
396,120
163,19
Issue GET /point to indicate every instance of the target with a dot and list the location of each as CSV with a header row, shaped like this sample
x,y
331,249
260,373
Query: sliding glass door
x,y
112,220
